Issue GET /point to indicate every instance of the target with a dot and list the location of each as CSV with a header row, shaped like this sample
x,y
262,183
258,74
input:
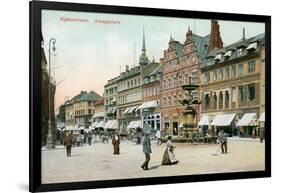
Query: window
x,y
215,101
233,71
239,52
221,74
89,111
240,70
215,75
251,66
227,72
220,100
207,77
241,93
226,99
251,92
207,101
233,96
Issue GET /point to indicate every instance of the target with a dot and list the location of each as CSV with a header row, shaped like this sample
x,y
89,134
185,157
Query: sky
x,y
90,51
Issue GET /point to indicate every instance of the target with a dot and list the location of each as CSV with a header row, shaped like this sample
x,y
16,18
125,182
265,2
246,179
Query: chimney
x,y
127,68
215,37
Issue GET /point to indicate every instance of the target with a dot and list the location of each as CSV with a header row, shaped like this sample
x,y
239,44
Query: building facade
x,y
180,66
48,89
129,98
232,84
110,94
150,108
80,109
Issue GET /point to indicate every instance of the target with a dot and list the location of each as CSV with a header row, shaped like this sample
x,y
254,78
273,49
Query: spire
x,y
188,28
143,60
171,38
243,36
143,42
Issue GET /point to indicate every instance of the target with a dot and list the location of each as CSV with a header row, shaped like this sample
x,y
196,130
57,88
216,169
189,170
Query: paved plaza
x,y
97,162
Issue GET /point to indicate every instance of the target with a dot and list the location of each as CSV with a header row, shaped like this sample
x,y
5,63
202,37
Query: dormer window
x,y
227,54
239,52
252,47
218,57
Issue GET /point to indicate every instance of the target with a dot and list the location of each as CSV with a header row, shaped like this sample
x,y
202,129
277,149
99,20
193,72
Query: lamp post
x,y
50,140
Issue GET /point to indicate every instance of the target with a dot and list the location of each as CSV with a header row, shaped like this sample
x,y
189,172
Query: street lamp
x,y
50,140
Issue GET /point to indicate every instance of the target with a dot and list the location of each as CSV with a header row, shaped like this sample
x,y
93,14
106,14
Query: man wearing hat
x,y
68,143
146,150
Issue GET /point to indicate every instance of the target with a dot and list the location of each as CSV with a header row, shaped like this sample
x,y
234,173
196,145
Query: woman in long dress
x,y
169,156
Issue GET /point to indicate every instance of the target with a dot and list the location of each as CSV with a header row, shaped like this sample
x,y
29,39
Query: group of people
x,y
168,157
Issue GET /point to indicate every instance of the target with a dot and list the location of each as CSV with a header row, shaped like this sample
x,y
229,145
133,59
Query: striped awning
x,y
248,119
111,124
134,124
98,114
223,119
100,124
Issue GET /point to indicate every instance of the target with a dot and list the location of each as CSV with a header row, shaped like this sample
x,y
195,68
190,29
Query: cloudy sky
x,y
89,52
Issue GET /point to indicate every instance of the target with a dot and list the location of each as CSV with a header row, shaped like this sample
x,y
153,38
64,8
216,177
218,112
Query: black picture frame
x,y
35,183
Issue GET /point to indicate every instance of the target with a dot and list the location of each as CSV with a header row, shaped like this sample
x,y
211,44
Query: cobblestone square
x,y
97,162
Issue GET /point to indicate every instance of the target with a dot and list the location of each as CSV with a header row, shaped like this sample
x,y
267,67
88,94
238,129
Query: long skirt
x,y
169,158
116,149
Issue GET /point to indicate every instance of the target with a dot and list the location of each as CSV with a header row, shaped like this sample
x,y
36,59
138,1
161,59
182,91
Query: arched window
x,y
207,101
220,100
226,99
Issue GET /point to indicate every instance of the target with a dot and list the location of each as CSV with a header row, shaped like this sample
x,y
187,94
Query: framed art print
x,y
127,96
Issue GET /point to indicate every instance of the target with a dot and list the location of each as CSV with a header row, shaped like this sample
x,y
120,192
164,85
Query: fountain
x,y
189,115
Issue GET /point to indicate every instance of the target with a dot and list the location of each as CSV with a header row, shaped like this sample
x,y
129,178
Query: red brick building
x,y
181,65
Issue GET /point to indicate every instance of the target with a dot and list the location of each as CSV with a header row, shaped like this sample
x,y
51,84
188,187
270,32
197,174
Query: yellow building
x,y
232,87
80,109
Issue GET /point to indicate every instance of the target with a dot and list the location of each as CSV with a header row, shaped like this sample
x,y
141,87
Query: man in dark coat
x,y
261,134
147,151
223,140
116,144
68,143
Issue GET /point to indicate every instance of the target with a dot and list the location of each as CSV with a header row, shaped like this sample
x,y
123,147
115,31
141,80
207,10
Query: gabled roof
x,y
91,96
202,44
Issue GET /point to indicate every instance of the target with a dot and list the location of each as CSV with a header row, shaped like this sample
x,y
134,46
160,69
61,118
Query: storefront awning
x,y
111,124
248,119
223,120
149,104
262,117
94,124
111,110
134,124
204,120
130,109
100,124
98,114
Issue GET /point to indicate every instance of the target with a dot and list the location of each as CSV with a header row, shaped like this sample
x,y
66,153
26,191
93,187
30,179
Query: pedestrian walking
x,y
147,151
169,156
116,144
223,140
90,136
158,136
68,143
78,139
261,134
